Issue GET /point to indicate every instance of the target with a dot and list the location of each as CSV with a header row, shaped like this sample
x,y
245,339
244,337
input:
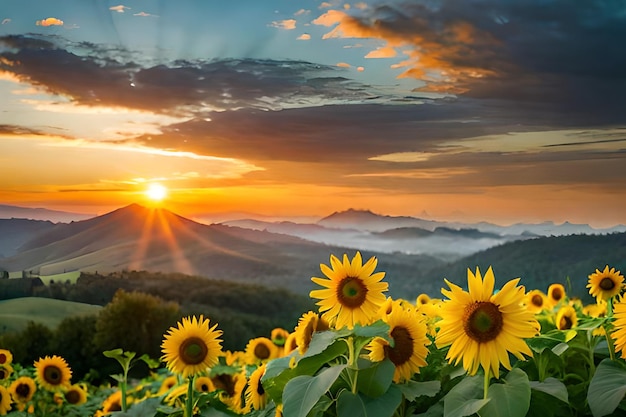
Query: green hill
x,y
16,313
538,262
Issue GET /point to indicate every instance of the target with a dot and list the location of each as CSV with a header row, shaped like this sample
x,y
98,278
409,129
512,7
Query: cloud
x,y
304,37
343,65
360,69
120,8
144,14
302,12
382,52
50,21
6,21
287,24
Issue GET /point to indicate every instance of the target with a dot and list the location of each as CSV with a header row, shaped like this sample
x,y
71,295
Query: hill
x,y
539,262
55,216
138,238
15,232
16,313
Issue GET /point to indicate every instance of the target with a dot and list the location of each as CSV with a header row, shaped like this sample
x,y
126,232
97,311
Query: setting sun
x,y
156,192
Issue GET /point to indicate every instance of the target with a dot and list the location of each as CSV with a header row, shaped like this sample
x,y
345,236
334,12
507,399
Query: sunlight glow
x,y
156,192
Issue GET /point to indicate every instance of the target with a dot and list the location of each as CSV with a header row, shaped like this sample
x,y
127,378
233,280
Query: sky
x,y
501,111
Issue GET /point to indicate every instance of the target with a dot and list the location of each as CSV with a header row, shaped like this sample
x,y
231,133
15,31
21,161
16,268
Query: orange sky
x,y
403,110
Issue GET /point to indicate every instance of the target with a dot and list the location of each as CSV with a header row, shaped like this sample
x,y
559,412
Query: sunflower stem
x,y
189,402
607,328
486,384
352,365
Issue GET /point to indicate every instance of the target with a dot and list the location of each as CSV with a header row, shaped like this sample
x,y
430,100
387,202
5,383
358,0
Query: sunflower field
x,y
481,351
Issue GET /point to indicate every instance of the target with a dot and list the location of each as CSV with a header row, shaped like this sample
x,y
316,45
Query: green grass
x,y
61,278
16,313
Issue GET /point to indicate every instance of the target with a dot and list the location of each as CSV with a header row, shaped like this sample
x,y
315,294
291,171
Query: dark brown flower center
x,y
566,323
607,284
482,321
72,396
4,374
3,358
402,349
537,300
351,292
193,351
116,406
557,294
261,351
52,375
205,387
23,390
224,382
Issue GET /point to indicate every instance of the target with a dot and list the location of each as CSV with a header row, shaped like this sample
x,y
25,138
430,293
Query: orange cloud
x,y
51,21
120,8
382,52
304,37
287,24
343,65
360,69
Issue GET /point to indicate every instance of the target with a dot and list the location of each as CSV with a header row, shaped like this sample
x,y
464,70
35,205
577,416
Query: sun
x,y
156,192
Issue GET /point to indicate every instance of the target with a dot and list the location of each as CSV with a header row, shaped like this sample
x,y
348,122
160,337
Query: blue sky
x,y
471,110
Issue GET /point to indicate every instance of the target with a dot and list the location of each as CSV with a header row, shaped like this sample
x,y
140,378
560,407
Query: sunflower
x,y
599,309
535,301
422,299
482,328
5,401
53,373
389,306
75,395
605,284
619,327
168,383
408,351
233,397
256,396
279,336
22,389
352,294
566,318
290,344
192,347
260,349
203,384
556,293
112,403
6,357
5,372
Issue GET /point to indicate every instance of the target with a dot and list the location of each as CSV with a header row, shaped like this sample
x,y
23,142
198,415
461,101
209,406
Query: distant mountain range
x,y
54,216
416,254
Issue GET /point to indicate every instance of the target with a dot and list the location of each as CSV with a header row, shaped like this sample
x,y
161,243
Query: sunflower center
x,y
607,284
482,321
565,323
557,294
3,358
402,349
115,407
72,397
259,389
537,300
52,375
3,373
261,351
351,292
22,390
193,351
204,387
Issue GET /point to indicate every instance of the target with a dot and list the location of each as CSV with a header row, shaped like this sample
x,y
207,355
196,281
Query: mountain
x,y
55,216
15,232
539,262
138,238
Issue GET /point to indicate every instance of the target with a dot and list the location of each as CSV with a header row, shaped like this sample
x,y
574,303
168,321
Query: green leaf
x,y
358,405
379,328
375,380
550,339
607,388
463,400
146,407
551,386
115,353
413,389
302,392
278,373
152,363
510,399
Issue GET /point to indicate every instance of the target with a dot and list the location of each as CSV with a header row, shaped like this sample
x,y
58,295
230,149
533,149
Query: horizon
x,y
506,113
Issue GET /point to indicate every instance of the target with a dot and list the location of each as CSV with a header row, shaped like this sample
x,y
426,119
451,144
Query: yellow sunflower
x,y
352,293
75,395
536,301
308,324
566,318
260,349
279,336
5,401
389,306
6,357
233,398
255,394
22,389
619,327
192,347
5,372
481,327
53,373
203,384
112,403
599,309
556,293
605,284
408,351
422,299
290,344
168,383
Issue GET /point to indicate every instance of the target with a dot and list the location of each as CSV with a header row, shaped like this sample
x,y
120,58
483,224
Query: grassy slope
x,y
16,313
